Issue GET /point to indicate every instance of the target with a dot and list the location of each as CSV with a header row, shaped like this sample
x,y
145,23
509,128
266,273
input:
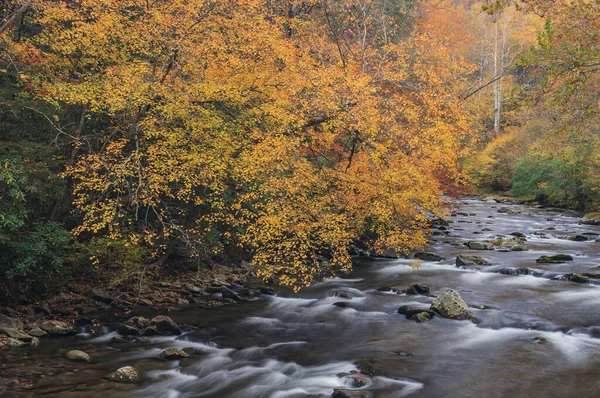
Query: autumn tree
x,y
281,131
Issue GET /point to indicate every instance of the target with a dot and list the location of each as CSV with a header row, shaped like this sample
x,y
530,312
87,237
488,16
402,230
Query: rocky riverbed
x,y
503,303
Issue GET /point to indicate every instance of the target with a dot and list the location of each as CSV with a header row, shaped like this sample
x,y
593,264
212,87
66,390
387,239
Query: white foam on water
x,y
407,386
104,338
576,348
589,295
338,280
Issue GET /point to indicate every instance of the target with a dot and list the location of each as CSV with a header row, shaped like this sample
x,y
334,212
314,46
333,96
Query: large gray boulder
x,y
451,305
17,334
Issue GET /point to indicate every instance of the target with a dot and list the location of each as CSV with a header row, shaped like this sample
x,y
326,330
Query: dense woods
x,y
141,136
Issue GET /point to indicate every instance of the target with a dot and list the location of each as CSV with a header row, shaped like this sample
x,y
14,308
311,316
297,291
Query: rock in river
x,y
475,245
418,288
466,260
78,356
164,325
171,354
555,259
56,328
451,305
126,374
426,256
591,219
343,393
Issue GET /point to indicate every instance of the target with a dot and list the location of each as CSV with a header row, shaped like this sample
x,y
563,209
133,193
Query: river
x,y
536,337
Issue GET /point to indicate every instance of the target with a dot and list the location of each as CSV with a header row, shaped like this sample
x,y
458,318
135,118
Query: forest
x,y
144,137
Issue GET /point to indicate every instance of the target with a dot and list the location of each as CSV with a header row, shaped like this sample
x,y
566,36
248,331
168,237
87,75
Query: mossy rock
x,y
555,259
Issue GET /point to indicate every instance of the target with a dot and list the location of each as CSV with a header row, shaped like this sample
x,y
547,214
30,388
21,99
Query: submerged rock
x,y
163,325
555,259
78,356
427,256
126,374
342,294
467,260
451,305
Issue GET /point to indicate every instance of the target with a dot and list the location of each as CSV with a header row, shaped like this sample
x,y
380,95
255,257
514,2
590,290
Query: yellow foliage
x,y
232,123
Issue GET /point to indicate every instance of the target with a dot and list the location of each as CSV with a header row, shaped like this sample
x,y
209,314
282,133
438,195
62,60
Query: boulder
x,y
78,356
126,374
467,260
418,289
476,245
451,305
579,238
512,244
17,334
151,331
555,259
8,322
101,296
228,293
577,278
138,322
34,342
127,330
37,332
56,328
10,342
591,219
164,325
118,340
427,256
518,235
171,354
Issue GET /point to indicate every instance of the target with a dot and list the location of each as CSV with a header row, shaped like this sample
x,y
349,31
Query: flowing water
x,y
537,337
